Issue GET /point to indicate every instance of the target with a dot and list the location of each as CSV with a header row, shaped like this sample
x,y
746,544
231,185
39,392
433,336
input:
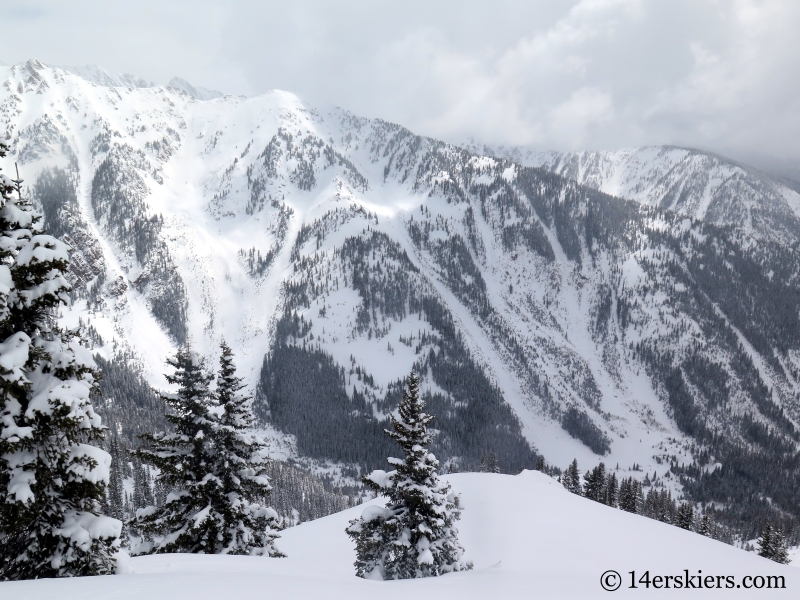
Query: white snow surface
x,y
527,536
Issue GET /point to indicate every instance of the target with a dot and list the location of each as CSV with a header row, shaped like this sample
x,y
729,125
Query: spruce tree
x,y
611,491
52,477
572,478
489,463
595,483
414,535
685,516
249,527
185,460
115,493
772,544
629,493
706,525
214,467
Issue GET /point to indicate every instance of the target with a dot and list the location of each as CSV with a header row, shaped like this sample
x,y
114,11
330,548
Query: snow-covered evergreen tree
x,y
185,460
705,526
249,527
772,544
214,467
52,479
489,463
572,478
414,535
685,516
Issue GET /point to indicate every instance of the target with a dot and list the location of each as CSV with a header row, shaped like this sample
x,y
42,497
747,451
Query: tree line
x,y
602,485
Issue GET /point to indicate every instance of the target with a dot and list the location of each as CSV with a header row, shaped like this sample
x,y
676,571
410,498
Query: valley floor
x,y
527,536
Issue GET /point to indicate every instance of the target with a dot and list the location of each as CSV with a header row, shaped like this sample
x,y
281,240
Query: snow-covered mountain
x,y
527,536
700,185
334,253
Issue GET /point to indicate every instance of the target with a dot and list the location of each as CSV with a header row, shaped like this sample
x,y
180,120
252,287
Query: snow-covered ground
x,y
527,536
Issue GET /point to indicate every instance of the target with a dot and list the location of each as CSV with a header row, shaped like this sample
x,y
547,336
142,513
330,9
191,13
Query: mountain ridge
x,y
544,316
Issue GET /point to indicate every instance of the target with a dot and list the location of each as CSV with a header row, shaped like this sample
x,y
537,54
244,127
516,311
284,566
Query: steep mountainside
x,y
335,253
693,183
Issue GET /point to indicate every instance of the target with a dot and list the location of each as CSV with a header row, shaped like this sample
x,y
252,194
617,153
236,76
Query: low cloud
x,y
554,74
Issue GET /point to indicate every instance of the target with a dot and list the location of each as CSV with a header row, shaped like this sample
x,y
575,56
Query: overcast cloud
x,y
591,74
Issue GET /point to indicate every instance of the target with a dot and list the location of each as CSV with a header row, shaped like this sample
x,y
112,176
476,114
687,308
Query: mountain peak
x,y
100,76
198,93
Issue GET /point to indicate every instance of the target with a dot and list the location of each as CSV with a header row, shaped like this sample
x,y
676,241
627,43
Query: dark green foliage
x,y
659,505
630,495
578,424
299,495
481,422
772,544
594,486
52,476
128,405
184,458
303,391
414,535
489,464
257,265
684,517
572,478
611,491
298,379
55,191
216,471
705,526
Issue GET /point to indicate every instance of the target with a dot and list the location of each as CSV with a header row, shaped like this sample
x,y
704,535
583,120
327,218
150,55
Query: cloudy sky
x,y
722,75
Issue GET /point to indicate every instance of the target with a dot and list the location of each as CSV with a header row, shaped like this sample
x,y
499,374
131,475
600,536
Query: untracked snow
x,y
527,536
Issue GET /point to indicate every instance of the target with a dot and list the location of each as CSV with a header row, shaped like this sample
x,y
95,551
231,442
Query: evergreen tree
x,y
660,506
185,460
142,490
52,479
706,525
595,483
115,492
685,516
572,478
489,463
248,526
414,535
630,492
772,544
214,467
611,491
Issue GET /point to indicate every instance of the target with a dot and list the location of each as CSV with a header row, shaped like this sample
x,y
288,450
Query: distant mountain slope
x,y
527,536
694,183
336,253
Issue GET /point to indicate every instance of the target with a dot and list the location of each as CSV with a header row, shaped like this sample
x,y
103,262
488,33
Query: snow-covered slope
x,y
527,537
694,183
347,250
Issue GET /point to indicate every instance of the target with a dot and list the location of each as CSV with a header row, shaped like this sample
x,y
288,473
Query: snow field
x,y
527,536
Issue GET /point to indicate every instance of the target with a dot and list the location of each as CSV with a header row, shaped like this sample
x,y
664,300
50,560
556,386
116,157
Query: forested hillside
x,y
336,253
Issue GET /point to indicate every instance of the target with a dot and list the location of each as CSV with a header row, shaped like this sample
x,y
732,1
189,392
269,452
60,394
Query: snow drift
x,y
527,536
